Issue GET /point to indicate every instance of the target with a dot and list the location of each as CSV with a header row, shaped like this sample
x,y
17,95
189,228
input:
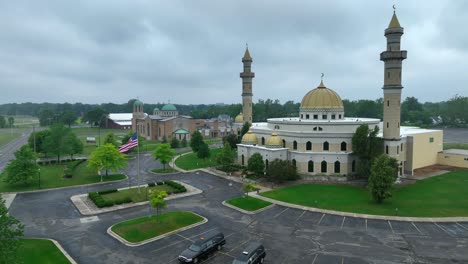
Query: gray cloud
x,y
190,51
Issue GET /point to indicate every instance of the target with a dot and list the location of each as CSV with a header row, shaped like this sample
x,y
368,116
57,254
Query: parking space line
x,y
234,248
461,226
366,224
342,260
186,238
342,223
417,228
391,227
281,213
323,215
441,228
316,255
297,219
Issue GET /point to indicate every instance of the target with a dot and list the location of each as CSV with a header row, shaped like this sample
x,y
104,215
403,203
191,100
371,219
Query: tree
x,y
75,144
107,157
174,143
249,187
41,137
282,170
23,167
112,139
68,117
196,141
256,164
46,117
366,146
11,121
384,172
157,201
232,140
203,151
183,143
245,129
226,157
164,154
57,142
95,116
10,231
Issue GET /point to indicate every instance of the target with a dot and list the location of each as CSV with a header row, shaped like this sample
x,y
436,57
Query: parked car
x,y
254,253
204,245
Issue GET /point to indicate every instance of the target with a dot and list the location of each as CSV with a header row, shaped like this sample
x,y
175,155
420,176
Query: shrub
x,y
151,184
108,191
178,188
160,183
97,199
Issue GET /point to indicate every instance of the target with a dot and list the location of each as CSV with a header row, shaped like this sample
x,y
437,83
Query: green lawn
x,y
52,177
191,161
137,194
139,229
248,203
441,196
455,145
166,170
6,137
40,251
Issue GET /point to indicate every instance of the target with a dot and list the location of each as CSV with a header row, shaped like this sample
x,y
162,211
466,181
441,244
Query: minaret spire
x,y
247,75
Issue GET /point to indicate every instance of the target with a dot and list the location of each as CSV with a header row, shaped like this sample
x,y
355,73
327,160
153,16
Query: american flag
x,y
131,143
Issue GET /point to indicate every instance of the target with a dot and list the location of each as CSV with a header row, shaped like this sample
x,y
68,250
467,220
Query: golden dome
x,y
274,141
239,118
321,97
249,138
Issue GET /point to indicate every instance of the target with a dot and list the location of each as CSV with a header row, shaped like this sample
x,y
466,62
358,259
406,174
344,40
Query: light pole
x,y
39,177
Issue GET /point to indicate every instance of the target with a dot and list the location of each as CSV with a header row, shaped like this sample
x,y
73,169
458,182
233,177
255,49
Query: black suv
x,y
254,253
204,245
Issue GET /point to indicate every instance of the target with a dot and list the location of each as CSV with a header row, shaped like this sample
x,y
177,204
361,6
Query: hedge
x,y
100,202
179,188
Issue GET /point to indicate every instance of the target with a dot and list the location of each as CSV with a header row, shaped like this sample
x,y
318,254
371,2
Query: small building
x,y
119,121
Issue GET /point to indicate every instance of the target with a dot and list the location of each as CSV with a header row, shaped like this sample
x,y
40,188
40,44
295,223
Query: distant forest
x,y
451,113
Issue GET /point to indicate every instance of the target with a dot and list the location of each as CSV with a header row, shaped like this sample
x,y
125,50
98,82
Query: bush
x,y
100,202
151,184
178,188
108,191
160,183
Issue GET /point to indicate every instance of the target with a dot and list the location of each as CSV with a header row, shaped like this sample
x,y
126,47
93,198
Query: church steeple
x,y
247,75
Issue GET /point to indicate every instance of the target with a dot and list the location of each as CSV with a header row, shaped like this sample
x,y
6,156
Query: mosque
x,y
319,141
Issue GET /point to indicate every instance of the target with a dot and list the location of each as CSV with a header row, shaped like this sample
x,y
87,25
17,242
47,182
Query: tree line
x,y
450,113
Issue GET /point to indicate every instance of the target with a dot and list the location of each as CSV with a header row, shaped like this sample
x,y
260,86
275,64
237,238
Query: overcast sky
x,y
189,52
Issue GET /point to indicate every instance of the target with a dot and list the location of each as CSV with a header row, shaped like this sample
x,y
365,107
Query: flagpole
x,y
138,164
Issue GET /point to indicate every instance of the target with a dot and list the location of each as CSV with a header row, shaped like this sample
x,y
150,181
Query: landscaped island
x,y
248,203
192,162
441,196
34,251
144,228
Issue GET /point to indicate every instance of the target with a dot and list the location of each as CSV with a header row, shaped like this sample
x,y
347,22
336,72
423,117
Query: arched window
x,y
326,146
284,143
343,146
159,131
294,163
266,164
147,129
308,145
324,167
243,159
337,167
263,141
307,116
353,166
295,144
386,149
401,147
310,166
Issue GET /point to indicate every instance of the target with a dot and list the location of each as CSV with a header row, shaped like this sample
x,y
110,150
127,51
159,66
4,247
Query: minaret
x,y
247,77
393,58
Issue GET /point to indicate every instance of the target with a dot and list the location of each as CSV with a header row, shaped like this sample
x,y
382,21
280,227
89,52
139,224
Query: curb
x,y
131,244
57,244
365,216
77,200
68,187
157,173
245,211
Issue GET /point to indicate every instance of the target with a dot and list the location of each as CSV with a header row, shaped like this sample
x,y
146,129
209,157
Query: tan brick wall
x,y
456,160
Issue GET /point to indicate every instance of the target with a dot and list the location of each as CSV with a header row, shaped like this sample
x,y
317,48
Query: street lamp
x,y
39,170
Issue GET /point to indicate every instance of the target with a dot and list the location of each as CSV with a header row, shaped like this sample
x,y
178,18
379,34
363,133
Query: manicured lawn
x,y
139,229
166,170
248,203
52,177
40,251
441,196
191,161
136,196
6,137
455,145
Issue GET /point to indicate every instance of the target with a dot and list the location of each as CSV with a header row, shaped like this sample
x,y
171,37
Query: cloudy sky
x,y
189,52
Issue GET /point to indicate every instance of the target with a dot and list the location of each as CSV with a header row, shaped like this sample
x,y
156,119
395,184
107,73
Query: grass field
x,y
40,251
440,196
52,177
455,145
6,137
166,170
137,194
143,228
99,134
248,203
191,161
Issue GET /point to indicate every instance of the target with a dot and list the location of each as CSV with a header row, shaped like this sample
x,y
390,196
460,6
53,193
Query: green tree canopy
x,y
57,142
256,164
367,146
76,146
40,140
174,143
282,170
196,141
384,172
11,121
23,167
203,151
10,231
2,122
232,140
96,116
107,157
245,129
112,139
157,200
249,187
68,117
164,154
226,157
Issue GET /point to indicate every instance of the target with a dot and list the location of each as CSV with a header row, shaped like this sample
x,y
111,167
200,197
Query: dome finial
x,y
321,81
